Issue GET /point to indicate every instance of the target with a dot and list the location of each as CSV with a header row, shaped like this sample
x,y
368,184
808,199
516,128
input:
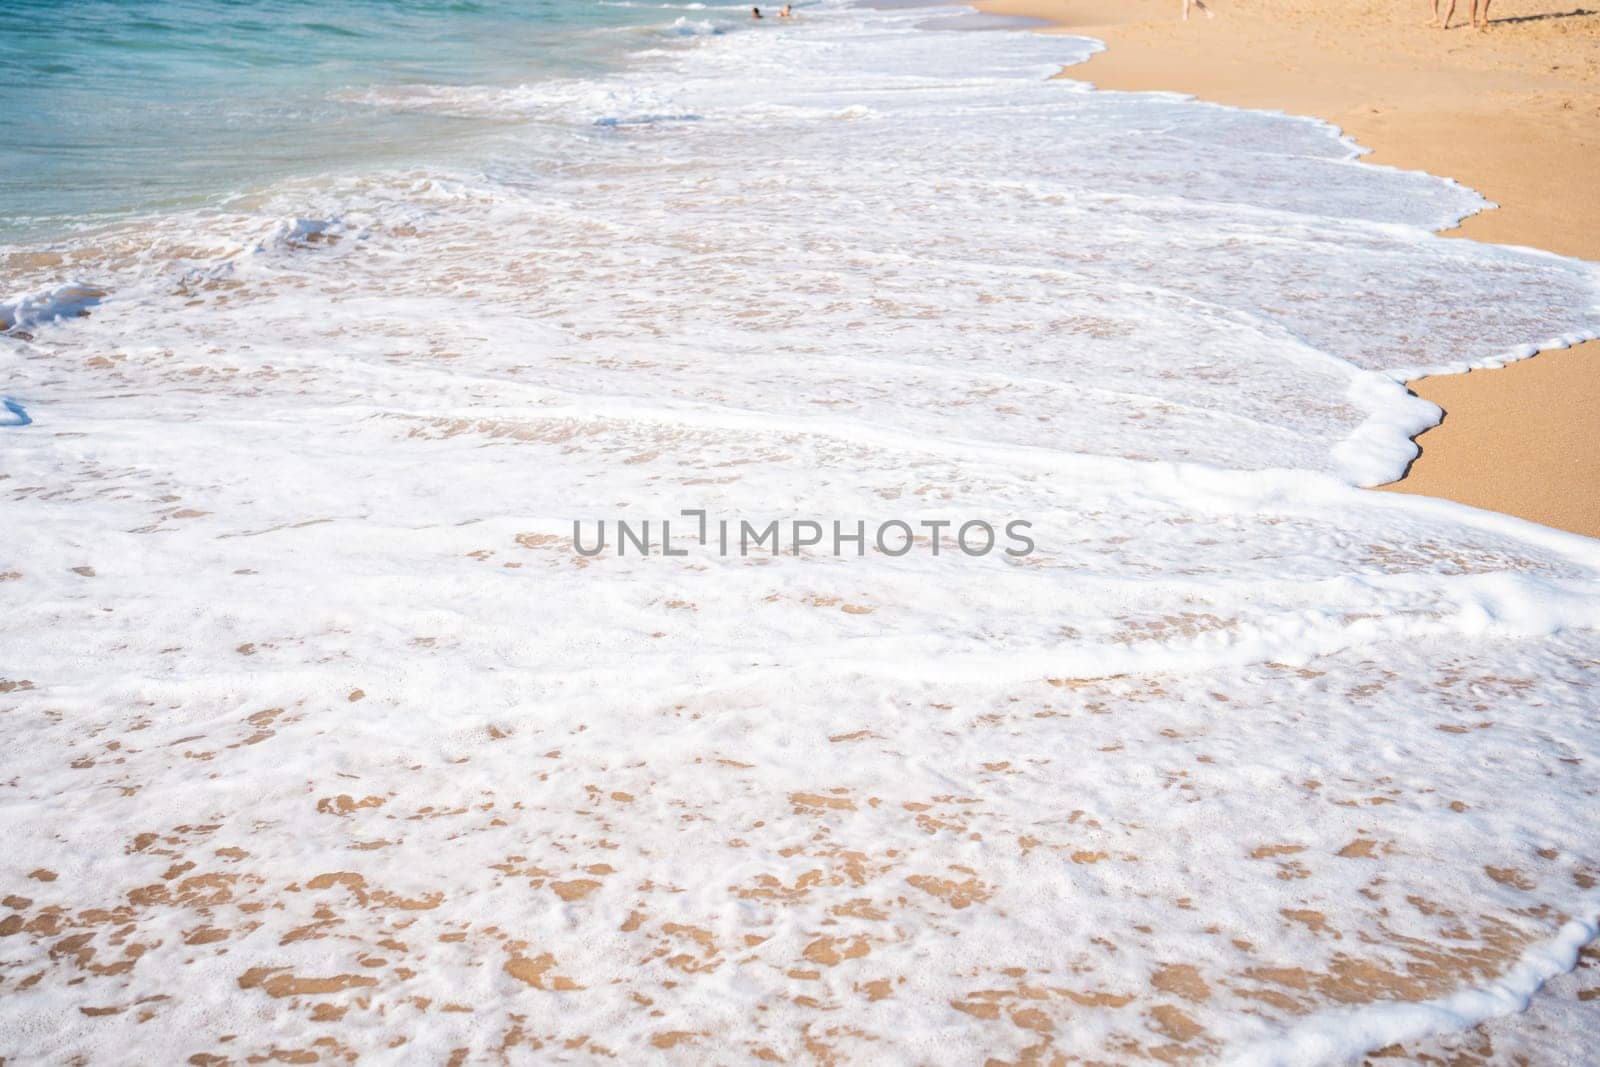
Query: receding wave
x,y
1242,758
49,304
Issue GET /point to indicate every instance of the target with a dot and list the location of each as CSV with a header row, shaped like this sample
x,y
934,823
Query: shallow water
x,y
319,718
115,106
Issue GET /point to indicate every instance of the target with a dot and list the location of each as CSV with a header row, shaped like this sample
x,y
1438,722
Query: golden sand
x,y
1513,112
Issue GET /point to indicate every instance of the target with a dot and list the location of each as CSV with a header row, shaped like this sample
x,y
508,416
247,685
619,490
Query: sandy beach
x,y
1513,112
328,739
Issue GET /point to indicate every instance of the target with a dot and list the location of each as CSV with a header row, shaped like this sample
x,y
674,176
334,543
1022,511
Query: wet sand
x,y
1513,112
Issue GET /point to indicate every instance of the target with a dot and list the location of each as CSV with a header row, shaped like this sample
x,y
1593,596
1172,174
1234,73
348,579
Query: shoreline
x,y
1521,439
329,725
1513,113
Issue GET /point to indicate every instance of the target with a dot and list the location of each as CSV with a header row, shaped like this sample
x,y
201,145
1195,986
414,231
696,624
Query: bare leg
x,y
1484,25
1448,15
1201,4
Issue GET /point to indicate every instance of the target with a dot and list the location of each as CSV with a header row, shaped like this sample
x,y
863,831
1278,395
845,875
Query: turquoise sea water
x,y
115,106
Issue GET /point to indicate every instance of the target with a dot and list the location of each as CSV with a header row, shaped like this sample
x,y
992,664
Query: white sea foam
x,y
684,26
48,304
311,706
1346,1036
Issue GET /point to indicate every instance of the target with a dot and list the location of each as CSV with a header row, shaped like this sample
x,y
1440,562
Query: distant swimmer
x,y
1201,4
785,12
755,12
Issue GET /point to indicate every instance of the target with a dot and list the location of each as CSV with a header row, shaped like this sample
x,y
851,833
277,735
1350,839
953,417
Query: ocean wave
x,y
29,310
300,233
684,26
587,102
1236,726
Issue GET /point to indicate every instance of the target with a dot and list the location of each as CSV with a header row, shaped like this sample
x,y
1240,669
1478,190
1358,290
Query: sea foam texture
x,y
322,739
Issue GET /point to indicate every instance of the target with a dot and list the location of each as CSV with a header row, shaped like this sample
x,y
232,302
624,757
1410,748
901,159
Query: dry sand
x,y
1513,112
